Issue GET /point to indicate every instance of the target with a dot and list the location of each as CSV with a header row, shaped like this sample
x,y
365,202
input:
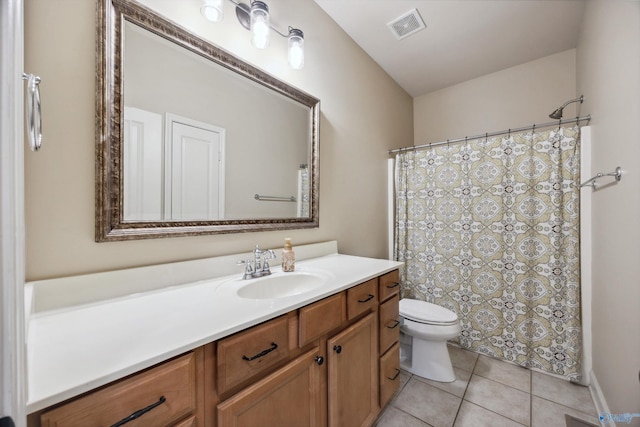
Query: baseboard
x,y
599,401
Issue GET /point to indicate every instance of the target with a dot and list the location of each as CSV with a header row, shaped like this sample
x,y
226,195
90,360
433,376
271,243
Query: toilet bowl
x,y
424,333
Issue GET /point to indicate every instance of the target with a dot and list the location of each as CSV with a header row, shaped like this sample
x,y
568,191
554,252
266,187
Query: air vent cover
x,y
406,25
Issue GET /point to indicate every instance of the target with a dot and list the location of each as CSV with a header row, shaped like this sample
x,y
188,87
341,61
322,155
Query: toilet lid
x,y
425,312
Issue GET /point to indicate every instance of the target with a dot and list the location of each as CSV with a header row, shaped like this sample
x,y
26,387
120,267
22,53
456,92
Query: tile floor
x,y
487,392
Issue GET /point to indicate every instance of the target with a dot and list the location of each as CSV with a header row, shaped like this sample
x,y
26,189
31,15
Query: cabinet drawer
x,y
362,298
389,374
321,317
389,323
168,391
389,285
243,355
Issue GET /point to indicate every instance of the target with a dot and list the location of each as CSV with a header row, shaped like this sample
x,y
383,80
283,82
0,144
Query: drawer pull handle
x,y
262,353
395,325
140,412
337,349
393,285
369,298
395,376
319,360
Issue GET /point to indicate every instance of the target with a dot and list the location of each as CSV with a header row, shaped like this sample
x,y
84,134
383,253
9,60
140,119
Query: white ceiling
x,y
464,39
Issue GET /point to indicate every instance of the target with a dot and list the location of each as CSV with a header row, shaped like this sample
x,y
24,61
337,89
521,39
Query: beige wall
x,y
360,119
608,70
515,97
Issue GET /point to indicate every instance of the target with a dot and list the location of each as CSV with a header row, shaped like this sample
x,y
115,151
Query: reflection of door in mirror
x,y
142,165
194,170
180,179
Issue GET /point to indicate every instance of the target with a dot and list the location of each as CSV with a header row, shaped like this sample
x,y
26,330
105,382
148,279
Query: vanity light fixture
x,y
212,10
255,18
296,48
260,24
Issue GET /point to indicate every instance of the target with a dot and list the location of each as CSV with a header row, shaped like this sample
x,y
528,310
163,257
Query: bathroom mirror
x,y
191,140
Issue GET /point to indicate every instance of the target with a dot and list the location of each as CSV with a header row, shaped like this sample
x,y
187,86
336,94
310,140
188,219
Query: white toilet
x,y
424,333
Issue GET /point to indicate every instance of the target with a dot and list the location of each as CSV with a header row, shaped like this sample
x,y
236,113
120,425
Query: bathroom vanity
x,y
322,350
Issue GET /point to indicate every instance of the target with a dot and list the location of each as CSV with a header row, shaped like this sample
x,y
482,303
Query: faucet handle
x,y
248,270
268,254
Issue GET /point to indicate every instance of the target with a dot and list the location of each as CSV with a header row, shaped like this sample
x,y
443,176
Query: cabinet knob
x,y
319,360
337,348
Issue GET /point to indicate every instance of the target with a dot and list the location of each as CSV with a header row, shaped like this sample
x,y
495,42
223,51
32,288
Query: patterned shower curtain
x,y
489,228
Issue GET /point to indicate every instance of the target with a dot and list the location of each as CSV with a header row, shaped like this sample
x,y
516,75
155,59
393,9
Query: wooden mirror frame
x,y
110,225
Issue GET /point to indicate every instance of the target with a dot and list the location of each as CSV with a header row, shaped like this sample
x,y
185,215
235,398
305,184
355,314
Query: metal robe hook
x,y
34,111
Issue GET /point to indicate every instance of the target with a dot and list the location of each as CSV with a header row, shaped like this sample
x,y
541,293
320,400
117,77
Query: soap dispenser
x,y
288,256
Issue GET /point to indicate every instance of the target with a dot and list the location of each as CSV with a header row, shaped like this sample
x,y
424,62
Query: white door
x,y
194,170
142,167
13,378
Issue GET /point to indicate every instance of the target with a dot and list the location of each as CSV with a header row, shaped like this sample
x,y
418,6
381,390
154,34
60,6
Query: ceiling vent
x,y
406,25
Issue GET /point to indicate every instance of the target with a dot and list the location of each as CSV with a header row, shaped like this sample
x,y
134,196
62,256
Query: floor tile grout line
x,y
505,384
392,403
413,416
564,406
465,390
436,387
494,412
491,410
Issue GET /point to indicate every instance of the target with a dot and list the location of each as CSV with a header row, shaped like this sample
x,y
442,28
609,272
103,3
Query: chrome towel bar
x,y
274,198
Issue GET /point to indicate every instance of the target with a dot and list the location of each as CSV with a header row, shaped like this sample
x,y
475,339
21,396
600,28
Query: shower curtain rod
x,y
486,135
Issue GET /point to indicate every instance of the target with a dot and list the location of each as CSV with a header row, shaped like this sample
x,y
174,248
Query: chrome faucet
x,y
259,265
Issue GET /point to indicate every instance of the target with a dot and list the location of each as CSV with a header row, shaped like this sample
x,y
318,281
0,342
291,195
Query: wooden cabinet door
x,y
352,358
291,396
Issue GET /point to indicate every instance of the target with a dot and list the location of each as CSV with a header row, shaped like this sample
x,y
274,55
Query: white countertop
x,y
71,350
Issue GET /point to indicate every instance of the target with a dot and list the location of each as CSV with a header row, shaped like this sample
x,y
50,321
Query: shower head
x,y
557,114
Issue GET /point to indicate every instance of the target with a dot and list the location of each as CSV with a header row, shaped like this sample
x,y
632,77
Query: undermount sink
x,y
280,285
